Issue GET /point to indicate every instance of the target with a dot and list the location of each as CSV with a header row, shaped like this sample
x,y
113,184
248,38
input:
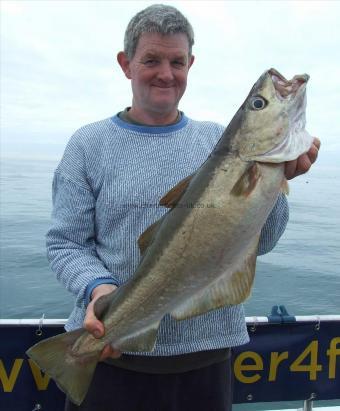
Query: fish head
x,y
272,120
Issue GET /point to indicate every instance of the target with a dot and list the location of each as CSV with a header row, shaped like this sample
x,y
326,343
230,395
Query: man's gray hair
x,y
157,18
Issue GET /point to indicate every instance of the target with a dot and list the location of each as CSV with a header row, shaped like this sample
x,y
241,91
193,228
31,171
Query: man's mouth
x,y
164,86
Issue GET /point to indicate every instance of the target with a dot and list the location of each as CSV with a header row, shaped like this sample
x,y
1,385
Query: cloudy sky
x,y
59,70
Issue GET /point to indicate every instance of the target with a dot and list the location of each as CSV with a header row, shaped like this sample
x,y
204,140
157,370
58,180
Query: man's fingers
x,y
317,143
109,352
94,327
314,150
290,168
92,324
105,353
297,167
303,163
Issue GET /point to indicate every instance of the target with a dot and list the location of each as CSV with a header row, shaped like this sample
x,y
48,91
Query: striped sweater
x,y
106,191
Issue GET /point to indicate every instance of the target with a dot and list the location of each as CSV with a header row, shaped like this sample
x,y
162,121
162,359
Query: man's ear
x,y
124,64
191,60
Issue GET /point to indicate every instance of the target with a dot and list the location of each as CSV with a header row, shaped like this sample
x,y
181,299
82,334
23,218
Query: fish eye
x,y
258,103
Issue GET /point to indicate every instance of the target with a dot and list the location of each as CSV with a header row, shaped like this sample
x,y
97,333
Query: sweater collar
x,y
151,129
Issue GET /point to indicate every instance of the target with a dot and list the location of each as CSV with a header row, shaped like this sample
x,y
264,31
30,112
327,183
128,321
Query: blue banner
x,y
282,362
23,386
287,362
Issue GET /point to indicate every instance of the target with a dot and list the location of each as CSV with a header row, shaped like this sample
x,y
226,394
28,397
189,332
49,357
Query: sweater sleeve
x,y
71,239
275,225
71,247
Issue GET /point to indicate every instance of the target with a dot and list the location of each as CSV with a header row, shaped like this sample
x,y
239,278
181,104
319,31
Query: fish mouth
x,y
296,140
288,89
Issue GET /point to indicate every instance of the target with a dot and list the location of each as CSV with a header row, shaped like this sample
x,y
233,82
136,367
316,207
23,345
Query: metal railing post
x,y
308,404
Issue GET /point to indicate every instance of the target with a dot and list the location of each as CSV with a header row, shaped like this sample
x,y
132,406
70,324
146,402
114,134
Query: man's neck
x,y
153,119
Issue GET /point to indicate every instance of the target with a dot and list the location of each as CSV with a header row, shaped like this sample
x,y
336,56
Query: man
x,y
105,194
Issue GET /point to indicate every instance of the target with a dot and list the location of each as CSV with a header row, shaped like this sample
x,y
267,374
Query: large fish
x,y
201,255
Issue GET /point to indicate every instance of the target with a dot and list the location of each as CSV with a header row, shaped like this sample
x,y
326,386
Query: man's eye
x,y
178,63
150,62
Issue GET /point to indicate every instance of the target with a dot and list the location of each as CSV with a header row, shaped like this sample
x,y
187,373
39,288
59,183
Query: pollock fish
x,y
201,255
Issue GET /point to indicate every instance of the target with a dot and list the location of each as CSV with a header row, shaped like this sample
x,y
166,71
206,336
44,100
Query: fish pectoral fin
x,y
227,290
172,197
143,340
170,200
146,238
247,182
72,374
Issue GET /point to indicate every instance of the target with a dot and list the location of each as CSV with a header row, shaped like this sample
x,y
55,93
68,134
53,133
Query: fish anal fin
x,y
242,281
143,340
145,239
230,289
172,197
247,182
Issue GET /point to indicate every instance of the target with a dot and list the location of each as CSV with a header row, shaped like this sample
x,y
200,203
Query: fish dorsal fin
x,y
145,239
247,182
227,290
172,197
144,340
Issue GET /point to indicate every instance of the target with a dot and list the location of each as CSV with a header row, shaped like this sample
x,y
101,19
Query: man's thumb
x,y
92,324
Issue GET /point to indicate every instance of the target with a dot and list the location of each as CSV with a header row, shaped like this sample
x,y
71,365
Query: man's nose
x,y
165,72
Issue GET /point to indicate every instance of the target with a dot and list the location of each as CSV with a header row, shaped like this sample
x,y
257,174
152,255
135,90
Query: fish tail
x,y
72,374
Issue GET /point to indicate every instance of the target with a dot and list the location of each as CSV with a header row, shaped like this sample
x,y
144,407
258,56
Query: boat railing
x,y
288,358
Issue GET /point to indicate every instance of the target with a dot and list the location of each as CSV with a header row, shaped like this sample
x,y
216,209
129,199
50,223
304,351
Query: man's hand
x,y
96,327
303,163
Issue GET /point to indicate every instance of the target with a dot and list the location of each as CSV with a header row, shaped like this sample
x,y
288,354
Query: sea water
x,y
302,272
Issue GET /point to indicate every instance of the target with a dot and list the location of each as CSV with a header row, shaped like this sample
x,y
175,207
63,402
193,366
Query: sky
x,y
59,68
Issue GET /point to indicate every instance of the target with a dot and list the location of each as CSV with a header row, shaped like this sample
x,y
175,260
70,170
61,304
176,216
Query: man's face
x,y
158,72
